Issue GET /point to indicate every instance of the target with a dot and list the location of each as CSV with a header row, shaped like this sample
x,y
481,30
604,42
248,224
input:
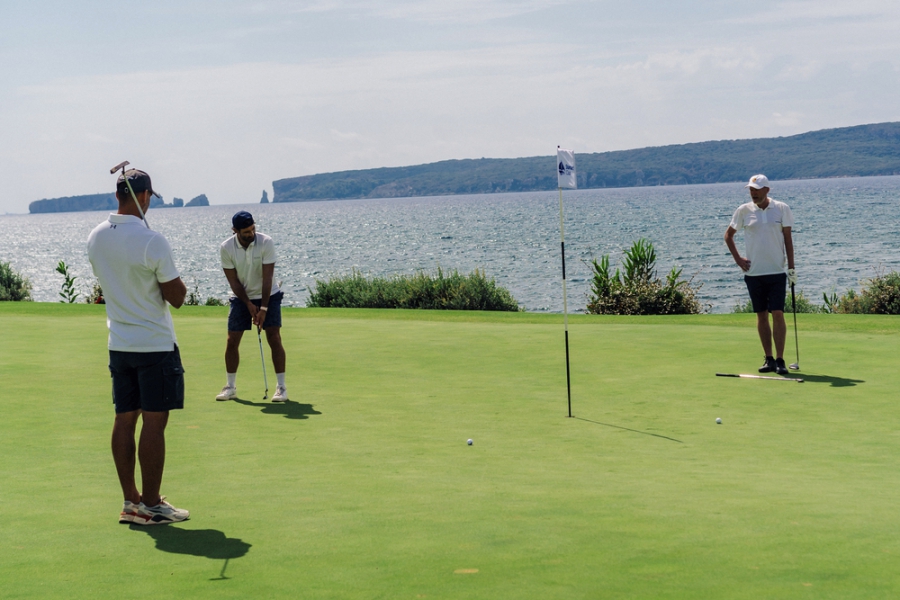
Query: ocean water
x,y
845,231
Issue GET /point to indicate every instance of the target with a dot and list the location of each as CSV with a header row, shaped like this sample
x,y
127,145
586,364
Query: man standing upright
x,y
767,227
135,268
248,259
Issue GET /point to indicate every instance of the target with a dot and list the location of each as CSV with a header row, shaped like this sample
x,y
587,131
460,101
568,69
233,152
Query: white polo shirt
x,y
248,262
130,261
763,235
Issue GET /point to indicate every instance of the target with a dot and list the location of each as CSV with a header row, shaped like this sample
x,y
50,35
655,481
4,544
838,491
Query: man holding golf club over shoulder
x,y
248,259
767,227
137,273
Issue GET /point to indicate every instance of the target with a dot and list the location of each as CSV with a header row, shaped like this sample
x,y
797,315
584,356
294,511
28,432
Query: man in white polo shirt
x,y
135,268
767,227
248,259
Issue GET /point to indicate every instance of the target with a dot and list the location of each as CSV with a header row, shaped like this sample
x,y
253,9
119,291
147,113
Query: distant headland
x,y
859,151
103,202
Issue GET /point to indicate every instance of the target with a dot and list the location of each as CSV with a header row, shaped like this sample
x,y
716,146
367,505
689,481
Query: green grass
x,y
363,486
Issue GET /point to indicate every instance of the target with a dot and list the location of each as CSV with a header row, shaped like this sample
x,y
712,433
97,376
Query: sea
x,y
846,230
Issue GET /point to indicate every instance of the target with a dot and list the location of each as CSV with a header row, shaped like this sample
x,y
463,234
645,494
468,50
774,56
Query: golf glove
x,y
792,276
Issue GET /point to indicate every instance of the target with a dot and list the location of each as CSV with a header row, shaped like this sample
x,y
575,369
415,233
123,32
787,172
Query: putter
x,y
121,166
795,366
745,376
263,360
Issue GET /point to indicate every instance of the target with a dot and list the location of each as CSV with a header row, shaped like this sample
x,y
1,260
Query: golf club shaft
x,y
746,376
262,359
796,339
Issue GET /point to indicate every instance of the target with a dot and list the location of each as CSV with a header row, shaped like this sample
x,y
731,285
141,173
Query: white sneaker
x,y
227,393
160,514
129,512
280,394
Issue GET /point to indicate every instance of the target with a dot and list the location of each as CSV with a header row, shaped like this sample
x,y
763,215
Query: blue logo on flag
x,y
565,169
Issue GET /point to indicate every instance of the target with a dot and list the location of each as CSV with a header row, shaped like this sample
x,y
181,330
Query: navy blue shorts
x,y
239,318
767,291
150,381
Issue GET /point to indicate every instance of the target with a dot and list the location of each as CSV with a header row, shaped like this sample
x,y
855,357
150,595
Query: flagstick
x,y
562,247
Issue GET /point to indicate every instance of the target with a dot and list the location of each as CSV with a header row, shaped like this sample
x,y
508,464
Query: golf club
x,y
122,166
745,376
795,366
263,360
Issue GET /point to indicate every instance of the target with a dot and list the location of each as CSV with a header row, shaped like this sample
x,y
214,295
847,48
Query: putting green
x,y
363,486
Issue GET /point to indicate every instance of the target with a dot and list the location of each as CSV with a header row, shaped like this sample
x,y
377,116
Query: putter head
x,y
121,165
794,367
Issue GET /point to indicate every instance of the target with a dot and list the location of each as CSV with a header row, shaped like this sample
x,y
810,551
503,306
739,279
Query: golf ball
x,y
718,420
469,442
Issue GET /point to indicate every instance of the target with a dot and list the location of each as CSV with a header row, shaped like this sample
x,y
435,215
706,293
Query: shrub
x,y
96,295
13,287
637,290
880,295
67,293
448,292
194,299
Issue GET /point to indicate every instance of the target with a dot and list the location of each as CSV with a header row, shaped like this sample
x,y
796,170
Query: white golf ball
x,y
718,420
469,442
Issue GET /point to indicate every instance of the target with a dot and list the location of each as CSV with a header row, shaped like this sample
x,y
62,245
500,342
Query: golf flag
x,y
565,160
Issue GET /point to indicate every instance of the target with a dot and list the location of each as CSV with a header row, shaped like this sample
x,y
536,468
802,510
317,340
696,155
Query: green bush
x,y
880,295
441,292
213,301
637,290
67,293
13,287
96,295
804,305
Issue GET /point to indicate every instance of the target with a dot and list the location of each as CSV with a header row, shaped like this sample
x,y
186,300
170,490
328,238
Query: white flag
x,y
565,160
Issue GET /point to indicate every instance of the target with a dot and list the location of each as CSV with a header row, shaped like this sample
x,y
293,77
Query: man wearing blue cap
x,y
248,259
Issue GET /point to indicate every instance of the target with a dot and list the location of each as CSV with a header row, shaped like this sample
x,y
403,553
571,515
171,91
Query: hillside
x,y
862,150
103,202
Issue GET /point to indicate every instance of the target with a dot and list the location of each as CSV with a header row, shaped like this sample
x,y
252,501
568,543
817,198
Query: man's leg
x,y
779,332
765,332
273,336
152,453
232,351
123,449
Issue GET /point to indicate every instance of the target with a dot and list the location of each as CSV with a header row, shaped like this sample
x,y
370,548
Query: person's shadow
x,y
209,543
289,409
834,381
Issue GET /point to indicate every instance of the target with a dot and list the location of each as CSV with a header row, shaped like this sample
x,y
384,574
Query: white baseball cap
x,y
758,182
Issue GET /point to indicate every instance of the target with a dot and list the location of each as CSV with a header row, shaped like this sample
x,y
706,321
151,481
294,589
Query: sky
x,y
223,97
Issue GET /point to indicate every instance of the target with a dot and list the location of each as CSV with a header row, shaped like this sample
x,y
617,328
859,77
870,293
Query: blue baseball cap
x,y
242,220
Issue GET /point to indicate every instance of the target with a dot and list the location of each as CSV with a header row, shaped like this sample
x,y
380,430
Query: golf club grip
x,y
727,375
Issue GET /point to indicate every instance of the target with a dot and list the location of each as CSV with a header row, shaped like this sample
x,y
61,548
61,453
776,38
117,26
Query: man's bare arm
x,y
174,292
268,273
788,246
742,262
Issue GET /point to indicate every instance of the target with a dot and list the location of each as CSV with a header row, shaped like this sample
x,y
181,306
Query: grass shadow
x,y
289,409
627,429
834,381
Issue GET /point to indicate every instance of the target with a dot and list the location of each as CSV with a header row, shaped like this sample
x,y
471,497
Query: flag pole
x,y
562,248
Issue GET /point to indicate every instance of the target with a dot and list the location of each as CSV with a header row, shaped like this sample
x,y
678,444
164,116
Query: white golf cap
x,y
758,181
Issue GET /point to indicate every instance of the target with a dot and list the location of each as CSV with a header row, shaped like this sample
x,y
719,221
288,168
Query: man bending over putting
x,y
767,233
248,259
135,268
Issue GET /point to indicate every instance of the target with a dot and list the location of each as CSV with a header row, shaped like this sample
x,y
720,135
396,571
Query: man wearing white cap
x,y
767,227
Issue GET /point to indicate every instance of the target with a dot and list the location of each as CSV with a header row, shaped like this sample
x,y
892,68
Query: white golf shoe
x,y
280,394
227,393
